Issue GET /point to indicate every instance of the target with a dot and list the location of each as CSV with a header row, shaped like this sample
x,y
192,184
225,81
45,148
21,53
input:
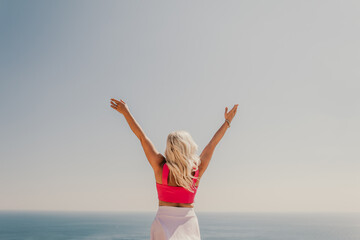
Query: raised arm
x,y
154,157
208,151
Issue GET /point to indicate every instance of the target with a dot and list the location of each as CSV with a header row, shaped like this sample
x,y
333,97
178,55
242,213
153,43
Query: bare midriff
x,y
171,204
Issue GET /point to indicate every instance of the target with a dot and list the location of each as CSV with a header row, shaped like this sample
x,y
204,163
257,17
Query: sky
x,y
292,66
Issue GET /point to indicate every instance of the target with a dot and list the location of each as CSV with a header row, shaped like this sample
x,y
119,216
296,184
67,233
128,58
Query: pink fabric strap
x,y
165,174
166,171
196,175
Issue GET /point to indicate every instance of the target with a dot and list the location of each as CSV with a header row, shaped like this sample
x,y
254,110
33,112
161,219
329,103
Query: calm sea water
x,y
136,226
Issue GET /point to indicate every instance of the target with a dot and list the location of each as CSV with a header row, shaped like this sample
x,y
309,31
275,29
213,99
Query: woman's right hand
x,y
119,106
230,115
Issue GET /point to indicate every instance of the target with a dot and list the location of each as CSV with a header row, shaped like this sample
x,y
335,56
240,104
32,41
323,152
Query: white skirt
x,y
175,223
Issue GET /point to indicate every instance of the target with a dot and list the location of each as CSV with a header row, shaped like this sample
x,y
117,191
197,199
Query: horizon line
x,y
152,211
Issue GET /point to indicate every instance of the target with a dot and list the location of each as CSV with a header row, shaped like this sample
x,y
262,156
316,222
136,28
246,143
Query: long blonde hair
x,y
181,158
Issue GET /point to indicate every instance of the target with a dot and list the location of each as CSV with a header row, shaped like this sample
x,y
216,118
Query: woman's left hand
x,y
119,106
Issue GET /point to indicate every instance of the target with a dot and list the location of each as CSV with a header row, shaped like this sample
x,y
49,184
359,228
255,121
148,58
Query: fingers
x,y
236,108
117,101
115,104
233,110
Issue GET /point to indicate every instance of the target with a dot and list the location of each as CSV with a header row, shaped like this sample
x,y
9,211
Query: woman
x,y
177,176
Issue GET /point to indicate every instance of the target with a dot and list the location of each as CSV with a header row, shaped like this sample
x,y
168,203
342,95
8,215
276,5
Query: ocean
x,y
26,225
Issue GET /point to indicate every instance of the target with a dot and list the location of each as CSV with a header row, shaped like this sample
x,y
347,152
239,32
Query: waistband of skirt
x,y
175,211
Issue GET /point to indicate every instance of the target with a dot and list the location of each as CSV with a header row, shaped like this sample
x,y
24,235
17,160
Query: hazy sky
x,y
292,66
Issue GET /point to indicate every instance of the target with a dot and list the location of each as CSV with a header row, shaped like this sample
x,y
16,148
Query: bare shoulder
x,y
158,171
161,164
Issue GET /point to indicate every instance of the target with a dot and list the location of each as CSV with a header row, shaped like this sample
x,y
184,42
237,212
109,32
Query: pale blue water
x,y
136,226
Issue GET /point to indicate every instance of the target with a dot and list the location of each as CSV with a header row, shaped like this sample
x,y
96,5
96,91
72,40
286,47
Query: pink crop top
x,y
173,194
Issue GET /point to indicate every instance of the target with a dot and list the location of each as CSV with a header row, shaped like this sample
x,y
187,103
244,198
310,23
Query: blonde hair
x,y
181,158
